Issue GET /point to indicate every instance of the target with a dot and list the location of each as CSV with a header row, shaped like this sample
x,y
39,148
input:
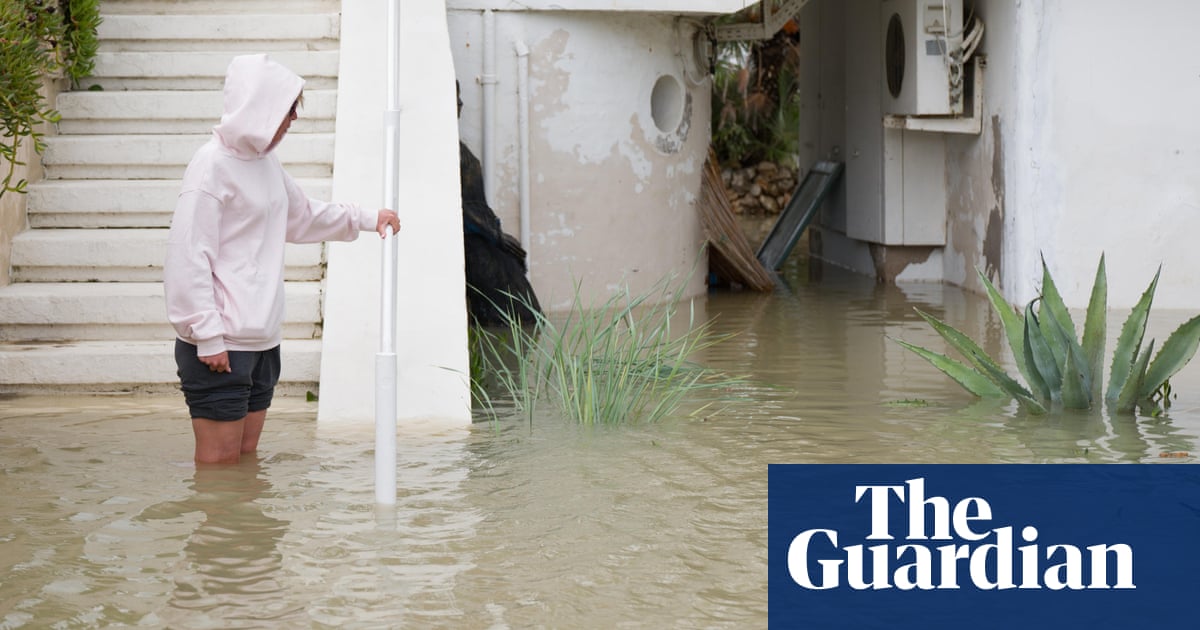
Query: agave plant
x,y
1060,370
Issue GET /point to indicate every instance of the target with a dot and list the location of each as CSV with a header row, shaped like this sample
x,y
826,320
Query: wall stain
x,y
993,240
891,260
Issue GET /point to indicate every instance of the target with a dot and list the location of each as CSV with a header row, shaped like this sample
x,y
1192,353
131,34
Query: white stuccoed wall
x,y
1090,111
1089,144
663,6
1118,148
612,196
432,328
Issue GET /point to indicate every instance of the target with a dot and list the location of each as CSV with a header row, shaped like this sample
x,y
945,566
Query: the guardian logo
x,y
982,546
948,546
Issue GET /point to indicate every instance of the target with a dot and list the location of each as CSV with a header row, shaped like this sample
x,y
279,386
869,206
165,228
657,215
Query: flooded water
x,y
105,522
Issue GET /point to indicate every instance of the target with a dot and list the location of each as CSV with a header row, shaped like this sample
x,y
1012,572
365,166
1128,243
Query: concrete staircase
x,y
85,311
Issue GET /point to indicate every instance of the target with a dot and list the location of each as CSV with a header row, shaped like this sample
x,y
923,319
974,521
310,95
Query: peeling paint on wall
x,y
891,261
672,142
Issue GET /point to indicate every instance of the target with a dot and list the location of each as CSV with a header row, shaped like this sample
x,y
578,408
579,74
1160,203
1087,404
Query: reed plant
x,y
1061,371
617,362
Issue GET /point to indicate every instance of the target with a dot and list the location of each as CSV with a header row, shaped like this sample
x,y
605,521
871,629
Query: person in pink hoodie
x,y
223,275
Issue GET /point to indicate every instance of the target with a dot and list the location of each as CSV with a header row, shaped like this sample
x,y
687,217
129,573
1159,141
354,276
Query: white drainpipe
x,y
488,81
523,135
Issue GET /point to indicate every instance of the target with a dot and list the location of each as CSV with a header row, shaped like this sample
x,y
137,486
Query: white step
x,y
45,311
172,112
219,32
109,366
200,70
121,255
92,298
198,7
104,203
165,156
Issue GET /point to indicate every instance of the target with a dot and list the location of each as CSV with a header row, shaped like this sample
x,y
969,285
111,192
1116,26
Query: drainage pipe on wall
x,y
523,138
488,81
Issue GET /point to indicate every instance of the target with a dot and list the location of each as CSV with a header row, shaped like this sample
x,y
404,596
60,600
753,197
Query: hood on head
x,y
258,95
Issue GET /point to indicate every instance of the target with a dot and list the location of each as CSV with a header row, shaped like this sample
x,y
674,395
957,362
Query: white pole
x,y
385,381
385,359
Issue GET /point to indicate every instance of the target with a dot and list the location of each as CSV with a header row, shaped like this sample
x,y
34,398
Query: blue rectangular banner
x,y
983,546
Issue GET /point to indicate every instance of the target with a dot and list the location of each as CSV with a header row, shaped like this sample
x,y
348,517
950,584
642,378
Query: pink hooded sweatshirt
x,y
223,275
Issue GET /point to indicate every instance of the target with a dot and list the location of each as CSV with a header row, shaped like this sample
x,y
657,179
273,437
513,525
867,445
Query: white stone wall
x,y
1105,150
1088,146
431,328
612,195
667,6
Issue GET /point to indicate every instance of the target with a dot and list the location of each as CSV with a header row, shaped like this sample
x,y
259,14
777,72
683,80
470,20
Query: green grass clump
x,y
613,363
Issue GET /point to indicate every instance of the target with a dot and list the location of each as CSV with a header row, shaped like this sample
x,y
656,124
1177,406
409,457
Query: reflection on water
x,y
231,576
104,521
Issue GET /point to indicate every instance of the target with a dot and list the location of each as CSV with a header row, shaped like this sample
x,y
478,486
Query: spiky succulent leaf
x,y
970,379
1039,355
1051,335
1014,325
1176,351
1075,389
1022,395
975,356
1094,327
1060,333
1128,398
1053,303
1130,341
1075,385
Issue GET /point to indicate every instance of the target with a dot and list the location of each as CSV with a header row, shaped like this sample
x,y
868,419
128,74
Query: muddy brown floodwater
x,y
104,521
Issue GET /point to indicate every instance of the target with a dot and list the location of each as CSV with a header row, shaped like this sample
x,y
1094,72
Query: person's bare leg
x,y
219,442
253,430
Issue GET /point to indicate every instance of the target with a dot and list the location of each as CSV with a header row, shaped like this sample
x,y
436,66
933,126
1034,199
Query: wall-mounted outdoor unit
x,y
922,60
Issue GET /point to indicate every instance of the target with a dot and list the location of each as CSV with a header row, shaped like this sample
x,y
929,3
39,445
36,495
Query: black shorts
x,y
227,395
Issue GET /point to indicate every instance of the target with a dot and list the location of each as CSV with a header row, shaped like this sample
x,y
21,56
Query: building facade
x,y
1085,147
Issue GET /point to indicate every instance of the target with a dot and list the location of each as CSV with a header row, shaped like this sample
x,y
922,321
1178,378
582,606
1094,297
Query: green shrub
x,y
756,102
38,38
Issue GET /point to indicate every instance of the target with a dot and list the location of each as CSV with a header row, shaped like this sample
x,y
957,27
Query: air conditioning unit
x,y
922,57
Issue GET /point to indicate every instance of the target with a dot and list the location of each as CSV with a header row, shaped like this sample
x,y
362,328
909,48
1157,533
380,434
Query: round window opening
x,y
666,103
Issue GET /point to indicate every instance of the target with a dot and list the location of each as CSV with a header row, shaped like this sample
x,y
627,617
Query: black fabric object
x,y
495,261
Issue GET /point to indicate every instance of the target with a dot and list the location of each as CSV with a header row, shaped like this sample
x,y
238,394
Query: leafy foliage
x,y
38,38
756,105
1060,369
